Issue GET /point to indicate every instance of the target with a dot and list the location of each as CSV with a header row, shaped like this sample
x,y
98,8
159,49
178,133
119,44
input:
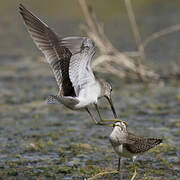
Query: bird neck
x,y
102,87
120,129
117,136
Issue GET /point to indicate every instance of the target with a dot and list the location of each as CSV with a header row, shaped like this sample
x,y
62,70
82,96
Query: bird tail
x,y
52,100
154,142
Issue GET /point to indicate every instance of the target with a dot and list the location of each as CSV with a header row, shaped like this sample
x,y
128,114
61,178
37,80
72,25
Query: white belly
x,y
122,151
89,95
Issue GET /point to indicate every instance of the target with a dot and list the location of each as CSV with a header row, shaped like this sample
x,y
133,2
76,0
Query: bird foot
x,y
135,173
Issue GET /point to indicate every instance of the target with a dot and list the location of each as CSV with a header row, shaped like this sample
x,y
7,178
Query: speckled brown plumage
x,y
140,144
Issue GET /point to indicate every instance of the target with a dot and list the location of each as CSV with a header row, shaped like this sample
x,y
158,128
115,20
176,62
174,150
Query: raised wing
x,y
80,71
57,54
73,43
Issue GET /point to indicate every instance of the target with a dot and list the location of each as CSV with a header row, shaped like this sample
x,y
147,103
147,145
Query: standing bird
x,y
128,145
70,59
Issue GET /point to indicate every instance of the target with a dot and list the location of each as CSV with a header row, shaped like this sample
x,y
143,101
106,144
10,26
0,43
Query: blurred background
x,y
47,142
151,16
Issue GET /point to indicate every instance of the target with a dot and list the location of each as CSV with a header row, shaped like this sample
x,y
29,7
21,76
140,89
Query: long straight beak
x,y
112,106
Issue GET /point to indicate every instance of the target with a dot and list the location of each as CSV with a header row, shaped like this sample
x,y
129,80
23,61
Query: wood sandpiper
x,y
70,59
128,145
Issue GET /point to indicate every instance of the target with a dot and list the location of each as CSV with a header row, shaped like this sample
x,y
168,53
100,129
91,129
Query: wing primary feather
x,y
48,42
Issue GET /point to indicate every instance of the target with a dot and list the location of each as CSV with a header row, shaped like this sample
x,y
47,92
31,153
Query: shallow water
x,y
40,141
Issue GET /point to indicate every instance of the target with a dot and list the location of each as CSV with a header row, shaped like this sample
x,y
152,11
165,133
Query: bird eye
x,y
86,47
124,124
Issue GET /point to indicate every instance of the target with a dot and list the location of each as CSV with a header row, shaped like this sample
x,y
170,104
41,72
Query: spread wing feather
x,y
73,43
80,72
57,51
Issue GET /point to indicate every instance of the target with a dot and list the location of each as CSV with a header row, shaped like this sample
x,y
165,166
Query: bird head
x,y
88,46
121,125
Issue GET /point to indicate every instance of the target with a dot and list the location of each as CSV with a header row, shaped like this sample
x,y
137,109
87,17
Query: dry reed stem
x,y
135,28
160,33
109,54
103,174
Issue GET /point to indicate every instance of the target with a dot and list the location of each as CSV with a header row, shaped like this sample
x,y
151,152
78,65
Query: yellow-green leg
x,y
95,121
106,120
135,173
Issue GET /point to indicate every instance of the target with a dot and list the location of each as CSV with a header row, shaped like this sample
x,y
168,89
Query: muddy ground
x,y
40,141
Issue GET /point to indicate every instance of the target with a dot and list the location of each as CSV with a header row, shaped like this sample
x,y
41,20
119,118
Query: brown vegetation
x,y
124,64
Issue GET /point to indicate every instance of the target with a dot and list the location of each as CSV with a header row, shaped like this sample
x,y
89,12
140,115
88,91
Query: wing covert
x,y
141,145
80,71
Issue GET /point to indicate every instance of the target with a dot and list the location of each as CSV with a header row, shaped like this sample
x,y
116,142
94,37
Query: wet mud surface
x,y
40,141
